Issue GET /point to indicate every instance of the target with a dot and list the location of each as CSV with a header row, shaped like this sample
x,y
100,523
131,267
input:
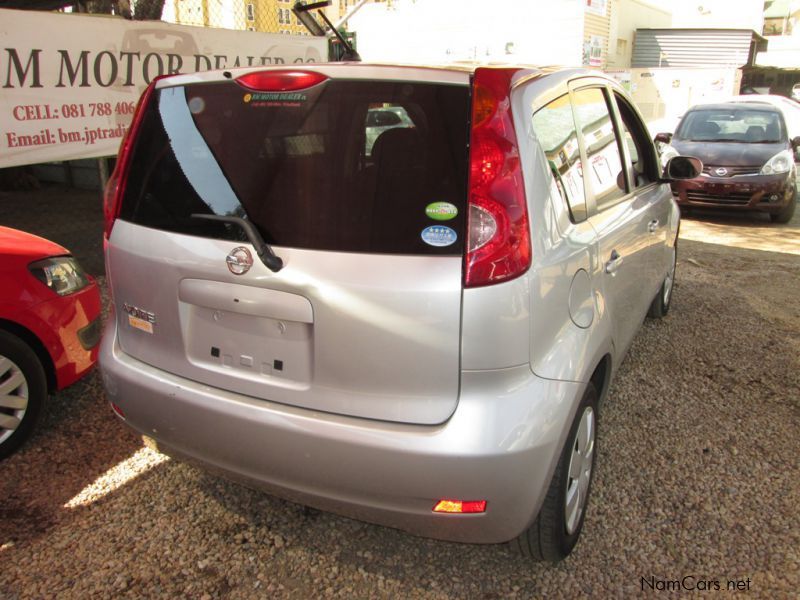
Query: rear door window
x,y
349,166
554,126
603,171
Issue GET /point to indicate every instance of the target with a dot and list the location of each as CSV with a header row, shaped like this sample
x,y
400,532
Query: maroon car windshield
x,y
745,125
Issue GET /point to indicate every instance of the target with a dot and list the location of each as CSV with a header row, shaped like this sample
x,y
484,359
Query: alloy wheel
x,y
669,280
580,471
13,397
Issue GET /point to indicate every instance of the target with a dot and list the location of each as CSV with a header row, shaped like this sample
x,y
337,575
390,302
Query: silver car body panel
x,y
373,336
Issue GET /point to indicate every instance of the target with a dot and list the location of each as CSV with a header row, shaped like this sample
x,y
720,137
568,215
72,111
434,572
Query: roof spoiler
x,y
303,13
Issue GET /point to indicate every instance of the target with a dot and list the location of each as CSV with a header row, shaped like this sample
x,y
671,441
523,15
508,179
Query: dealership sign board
x,y
69,83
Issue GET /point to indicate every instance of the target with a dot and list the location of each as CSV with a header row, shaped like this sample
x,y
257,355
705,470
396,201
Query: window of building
x,y
251,12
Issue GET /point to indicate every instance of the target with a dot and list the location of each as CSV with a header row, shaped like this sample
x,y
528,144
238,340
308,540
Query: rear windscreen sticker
x,y
439,236
197,105
441,211
261,99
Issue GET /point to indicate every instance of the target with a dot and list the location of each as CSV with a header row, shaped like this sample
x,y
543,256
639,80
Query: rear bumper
x,y
765,193
500,445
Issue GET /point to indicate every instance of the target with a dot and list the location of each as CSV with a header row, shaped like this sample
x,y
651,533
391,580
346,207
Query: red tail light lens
x,y
280,81
498,237
115,187
460,506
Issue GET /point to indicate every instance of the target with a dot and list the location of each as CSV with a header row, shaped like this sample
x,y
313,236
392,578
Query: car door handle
x,y
615,263
652,226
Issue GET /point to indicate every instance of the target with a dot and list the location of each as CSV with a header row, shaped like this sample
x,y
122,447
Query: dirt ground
x,y
696,480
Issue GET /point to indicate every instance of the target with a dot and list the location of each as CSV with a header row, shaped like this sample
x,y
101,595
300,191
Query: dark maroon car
x,y
749,161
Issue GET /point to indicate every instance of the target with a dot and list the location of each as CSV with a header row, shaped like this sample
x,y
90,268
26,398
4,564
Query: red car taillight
x,y
498,237
115,188
280,81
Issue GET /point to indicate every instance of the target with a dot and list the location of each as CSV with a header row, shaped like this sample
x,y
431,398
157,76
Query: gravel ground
x,y
697,476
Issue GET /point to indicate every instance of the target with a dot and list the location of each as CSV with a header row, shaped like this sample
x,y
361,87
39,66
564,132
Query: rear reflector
x,y
460,506
498,237
280,81
117,410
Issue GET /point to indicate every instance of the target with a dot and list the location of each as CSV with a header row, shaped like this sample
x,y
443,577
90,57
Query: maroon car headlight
x,y
62,274
781,163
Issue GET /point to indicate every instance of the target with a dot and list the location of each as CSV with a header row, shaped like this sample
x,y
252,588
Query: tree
x,y
148,10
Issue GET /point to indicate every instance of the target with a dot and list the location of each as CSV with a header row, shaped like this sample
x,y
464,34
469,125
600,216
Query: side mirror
x,y
664,138
683,167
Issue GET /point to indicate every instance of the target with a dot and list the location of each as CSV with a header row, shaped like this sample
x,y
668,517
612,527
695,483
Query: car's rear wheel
x,y
660,305
787,213
23,391
557,527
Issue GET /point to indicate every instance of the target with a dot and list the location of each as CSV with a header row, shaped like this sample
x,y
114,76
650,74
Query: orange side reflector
x,y
460,506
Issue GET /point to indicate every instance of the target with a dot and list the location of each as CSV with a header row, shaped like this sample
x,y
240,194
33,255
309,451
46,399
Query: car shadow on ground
x,y
64,449
751,231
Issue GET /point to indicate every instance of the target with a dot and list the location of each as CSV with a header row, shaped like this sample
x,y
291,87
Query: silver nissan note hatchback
x,y
413,330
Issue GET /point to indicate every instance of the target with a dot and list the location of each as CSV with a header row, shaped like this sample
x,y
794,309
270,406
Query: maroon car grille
x,y
731,171
733,198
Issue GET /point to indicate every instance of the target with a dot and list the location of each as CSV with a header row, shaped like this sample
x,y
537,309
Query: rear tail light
x,y
460,506
280,81
115,188
498,237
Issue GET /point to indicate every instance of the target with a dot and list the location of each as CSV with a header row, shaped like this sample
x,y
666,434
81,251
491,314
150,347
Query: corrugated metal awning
x,y
696,47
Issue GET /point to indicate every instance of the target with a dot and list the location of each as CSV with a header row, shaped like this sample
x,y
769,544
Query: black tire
x,y
22,379
661,303
552,537
787,213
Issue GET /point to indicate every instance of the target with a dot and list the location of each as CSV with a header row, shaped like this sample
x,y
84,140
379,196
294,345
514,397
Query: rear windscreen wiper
x,y
272,261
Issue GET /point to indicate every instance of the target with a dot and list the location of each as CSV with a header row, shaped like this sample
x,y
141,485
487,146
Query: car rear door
x,y
364,318
620,219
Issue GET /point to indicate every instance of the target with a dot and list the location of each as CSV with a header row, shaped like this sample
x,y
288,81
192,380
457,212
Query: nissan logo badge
x,y
239,260
722,171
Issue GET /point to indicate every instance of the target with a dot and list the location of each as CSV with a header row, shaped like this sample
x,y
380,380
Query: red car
x,y
49,329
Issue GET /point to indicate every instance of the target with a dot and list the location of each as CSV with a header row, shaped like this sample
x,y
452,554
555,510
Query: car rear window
x,y
312,169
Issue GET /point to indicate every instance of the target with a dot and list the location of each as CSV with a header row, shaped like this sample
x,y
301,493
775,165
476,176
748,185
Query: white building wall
x,y
723,14
436,31
630,16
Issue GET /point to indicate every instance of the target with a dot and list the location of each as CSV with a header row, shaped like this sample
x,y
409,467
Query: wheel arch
x,y
601,377
27,336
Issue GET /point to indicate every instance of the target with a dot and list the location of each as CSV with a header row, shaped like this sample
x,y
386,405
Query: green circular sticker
x,y
441,211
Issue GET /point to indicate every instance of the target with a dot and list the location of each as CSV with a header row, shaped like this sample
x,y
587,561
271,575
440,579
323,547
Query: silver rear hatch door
x,y
364,318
